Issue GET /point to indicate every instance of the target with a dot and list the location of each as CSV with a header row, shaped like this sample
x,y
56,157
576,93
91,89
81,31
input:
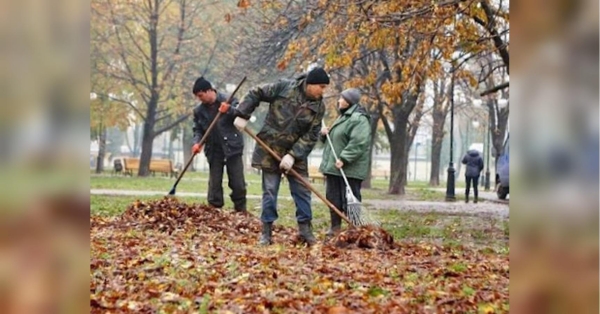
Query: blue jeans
x,y
300,194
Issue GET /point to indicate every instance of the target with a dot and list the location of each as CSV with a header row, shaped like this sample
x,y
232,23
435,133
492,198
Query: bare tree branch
x,y
172,125
494,89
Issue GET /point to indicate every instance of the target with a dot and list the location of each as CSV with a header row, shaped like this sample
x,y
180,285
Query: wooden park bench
x,y
380,174
130,165
164,166
314,174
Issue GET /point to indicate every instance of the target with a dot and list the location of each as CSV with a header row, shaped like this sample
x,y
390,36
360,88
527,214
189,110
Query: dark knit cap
x,y
317,76
201,85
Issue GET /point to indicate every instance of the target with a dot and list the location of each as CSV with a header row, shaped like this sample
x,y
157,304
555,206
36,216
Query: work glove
x,y
224,107
240,123
324,130
287,162
196,148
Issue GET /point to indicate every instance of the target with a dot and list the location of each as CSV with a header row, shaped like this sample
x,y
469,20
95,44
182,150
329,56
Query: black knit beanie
x,y
317,76
201,85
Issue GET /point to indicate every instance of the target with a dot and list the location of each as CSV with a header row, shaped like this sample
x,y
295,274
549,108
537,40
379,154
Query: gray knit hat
x,y
351,95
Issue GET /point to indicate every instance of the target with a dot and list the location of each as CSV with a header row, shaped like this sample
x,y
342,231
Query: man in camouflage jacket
x,y
291,129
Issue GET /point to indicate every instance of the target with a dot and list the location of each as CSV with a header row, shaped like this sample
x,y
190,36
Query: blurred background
x,y
554,171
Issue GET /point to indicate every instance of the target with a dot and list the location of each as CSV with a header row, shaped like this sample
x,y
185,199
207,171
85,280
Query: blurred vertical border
x,y
555,189
44,164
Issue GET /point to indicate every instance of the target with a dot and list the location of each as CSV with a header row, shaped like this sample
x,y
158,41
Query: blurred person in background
x,y
474,163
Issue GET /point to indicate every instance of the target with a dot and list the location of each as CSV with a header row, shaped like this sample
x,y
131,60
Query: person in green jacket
x,y
351,138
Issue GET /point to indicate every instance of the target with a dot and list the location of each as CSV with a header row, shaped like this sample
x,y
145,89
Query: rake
x,y
355,210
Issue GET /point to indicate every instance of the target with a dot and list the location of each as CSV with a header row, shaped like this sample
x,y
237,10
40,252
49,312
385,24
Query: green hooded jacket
x,y
351,137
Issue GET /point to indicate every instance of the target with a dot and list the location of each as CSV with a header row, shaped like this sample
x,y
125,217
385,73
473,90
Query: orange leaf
x,y
337,310
243,4
282,65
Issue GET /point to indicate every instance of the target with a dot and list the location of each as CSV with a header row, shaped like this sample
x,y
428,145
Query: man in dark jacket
x,y
474,164
224,145
291,129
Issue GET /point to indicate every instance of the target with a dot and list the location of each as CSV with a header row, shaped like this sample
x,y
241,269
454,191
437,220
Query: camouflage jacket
x,y
292,124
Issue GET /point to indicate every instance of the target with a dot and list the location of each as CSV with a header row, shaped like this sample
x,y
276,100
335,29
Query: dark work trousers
x,y
475,181
335,192
235,174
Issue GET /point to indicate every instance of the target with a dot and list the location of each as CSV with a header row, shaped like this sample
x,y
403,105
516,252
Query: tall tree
x,y
144,45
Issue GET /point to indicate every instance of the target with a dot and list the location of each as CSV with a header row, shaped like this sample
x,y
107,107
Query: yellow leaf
x,y
488,309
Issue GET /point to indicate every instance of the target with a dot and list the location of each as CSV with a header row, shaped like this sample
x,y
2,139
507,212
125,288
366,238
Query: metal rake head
x,y
357,213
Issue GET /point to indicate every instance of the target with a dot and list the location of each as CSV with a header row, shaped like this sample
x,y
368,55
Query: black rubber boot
x,y
306,234
265,236
336,225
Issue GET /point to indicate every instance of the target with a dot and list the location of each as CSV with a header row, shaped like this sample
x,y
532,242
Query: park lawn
x,y
198,183
442,261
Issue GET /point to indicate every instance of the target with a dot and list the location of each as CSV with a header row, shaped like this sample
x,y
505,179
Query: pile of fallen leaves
x,y
370,237
167,256
169,215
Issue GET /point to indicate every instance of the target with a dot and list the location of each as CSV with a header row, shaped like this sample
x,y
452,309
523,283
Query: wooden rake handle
x,y
299,177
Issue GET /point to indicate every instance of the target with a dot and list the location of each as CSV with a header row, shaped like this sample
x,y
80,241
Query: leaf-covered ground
x,y
171,257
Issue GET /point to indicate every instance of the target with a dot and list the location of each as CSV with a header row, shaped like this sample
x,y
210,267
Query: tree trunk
x,y
499,133
436,151
498,125
148,137
101,149
146,156
152,104
413,127
437,137
439,113
399,157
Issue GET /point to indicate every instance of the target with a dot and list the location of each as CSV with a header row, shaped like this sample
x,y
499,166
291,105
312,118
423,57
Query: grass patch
x,y
458,267
197,182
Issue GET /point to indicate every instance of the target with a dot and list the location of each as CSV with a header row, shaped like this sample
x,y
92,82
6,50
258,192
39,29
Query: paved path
x,y
488,195
481,209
